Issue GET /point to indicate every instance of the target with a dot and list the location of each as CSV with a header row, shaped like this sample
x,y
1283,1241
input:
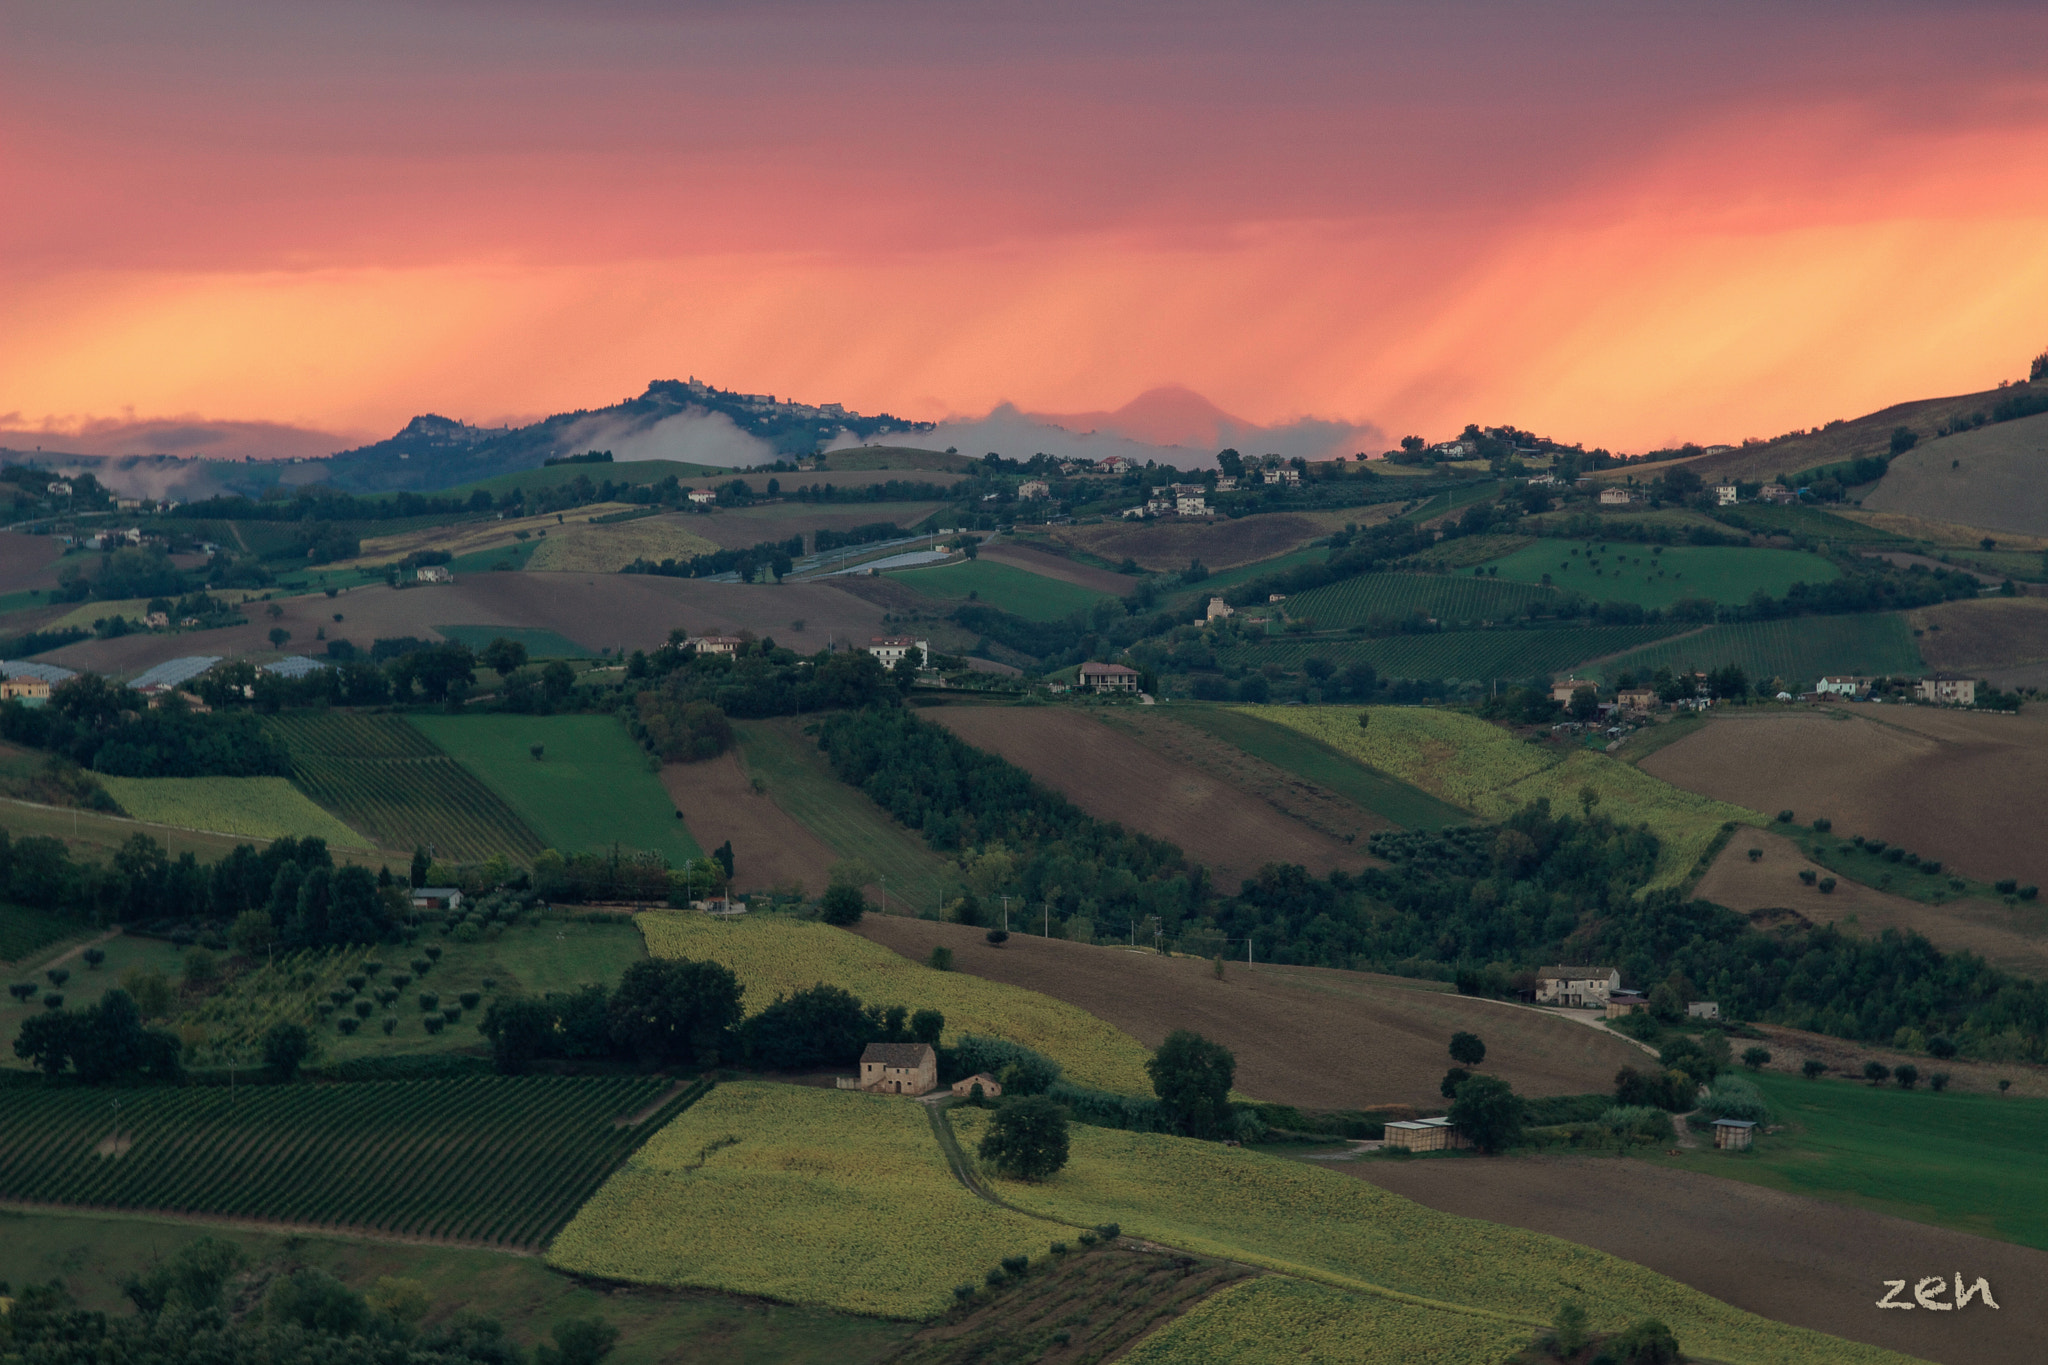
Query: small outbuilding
x,y
1703,1009
1734,1135
990,1087
1622,1003
1425,1135
437,898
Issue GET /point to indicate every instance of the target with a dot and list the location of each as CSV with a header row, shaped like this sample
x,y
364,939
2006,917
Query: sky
x,y
1625,224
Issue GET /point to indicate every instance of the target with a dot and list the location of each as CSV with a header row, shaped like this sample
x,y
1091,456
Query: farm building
x,y
32,691
990,1087
1563,692
1109,677
1425,1135
1570,985
1190,505
1218,609
1843,687
1637,698
891,650
702,496
1726,494
1948,689
1734,1135
1626,1002
717,644
1034,488
1776,493
1616,497
436,898
898,1069
434,573
1703,1009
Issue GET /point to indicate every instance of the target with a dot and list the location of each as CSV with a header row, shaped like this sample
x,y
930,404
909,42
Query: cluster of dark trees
x,y
762,679
104,1042
307,1317
962,797
96,724
680,731
893,490
771,556
825,538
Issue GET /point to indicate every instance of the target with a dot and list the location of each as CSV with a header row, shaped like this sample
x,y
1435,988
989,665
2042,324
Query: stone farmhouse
x,y
898,1069
1577,986
1218,609
1948,689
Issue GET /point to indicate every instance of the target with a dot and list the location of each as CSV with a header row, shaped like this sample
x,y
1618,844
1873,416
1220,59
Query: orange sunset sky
x,y
1628,224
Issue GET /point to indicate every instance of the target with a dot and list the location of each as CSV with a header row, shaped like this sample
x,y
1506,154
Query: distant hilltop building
x,y
1218,609
890,650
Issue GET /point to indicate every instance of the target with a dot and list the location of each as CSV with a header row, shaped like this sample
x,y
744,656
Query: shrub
x,y
22,990
1807,875
58,976
94,957
357,981
490,983
1756,855
941,959
1907,1075
1827,885
1088,1239
1941,1046
2028,893
348,1023
1017,1266
1931,866
420,966
390,1025
453,1014
372,966
1637,1123
54,1000
1938,1081
433,952
364,1009
1784,817
1648,1342
401,981
963,1293
1877,1073
2006,886
995,1277
435,1023
429,1002
1734,1098
1756,1058
1059,1248
1822,825
1812,1068
1109,1232
997,937
470,999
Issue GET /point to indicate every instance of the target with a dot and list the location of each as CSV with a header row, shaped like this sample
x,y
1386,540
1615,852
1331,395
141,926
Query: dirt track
x,y
770,850
1318,1038
1793,1259
1945,784
2016,940
1115,777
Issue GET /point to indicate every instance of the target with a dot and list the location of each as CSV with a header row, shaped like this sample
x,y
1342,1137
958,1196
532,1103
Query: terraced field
x,y
1473,655
1388,596
1799,651
390,781
498,1160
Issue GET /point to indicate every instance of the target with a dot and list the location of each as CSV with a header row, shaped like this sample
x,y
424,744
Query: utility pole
x,y
1006,914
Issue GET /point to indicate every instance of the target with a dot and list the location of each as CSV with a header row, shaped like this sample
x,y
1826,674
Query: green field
x,y
800,781
92,1253
1472,655
1448,597
1274,1320
387,779
591,789
1626,571
24,934
1002,586
258,807
85,987
1811,521
1222,580
1801,650
498,1160
540,644
1451,499
487,561
1970,1162
1406,805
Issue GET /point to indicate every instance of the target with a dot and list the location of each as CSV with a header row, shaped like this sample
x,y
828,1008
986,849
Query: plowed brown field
x,y
30,561
2015,939
770,850
1946,784
1783,1256
1308,1036
1985,634
1113,776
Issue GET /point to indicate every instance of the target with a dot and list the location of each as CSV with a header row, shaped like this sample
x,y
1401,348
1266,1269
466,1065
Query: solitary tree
x,y
1756,1058
286,1047
1192,1078
1488,1112
844,905
1027,1139
1467,1049
1907,1075
1812,1068
1877,1073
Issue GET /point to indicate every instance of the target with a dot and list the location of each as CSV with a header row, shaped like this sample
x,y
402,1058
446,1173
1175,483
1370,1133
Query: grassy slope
x,y
1970,1162
1486,769
1718,573
1399,801
93,1252
774,955
1002,586
1454,597
1481,655
591,790
801,783
1800,651
262,807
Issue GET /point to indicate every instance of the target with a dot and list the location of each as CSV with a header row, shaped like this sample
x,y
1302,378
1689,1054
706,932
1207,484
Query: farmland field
x,y
1799,651
1937,783
591,789
540,643
1167,1189
1450,597
1811,521
25,933
1113,776
260,807
497,1160
1167,546
1221,580
1475,655
1002,586
1988,635
580,547
774,956
1486,769
1988,478
1280,1020
812,1196
1274,1320
1802,1260
1624,571
1401,802
799,782
386,777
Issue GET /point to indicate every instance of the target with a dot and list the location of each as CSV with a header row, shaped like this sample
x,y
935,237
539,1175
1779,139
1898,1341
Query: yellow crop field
x,y
1343,1232
812,1196
773,956
1275,1320
258,807
1488,771
583,548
